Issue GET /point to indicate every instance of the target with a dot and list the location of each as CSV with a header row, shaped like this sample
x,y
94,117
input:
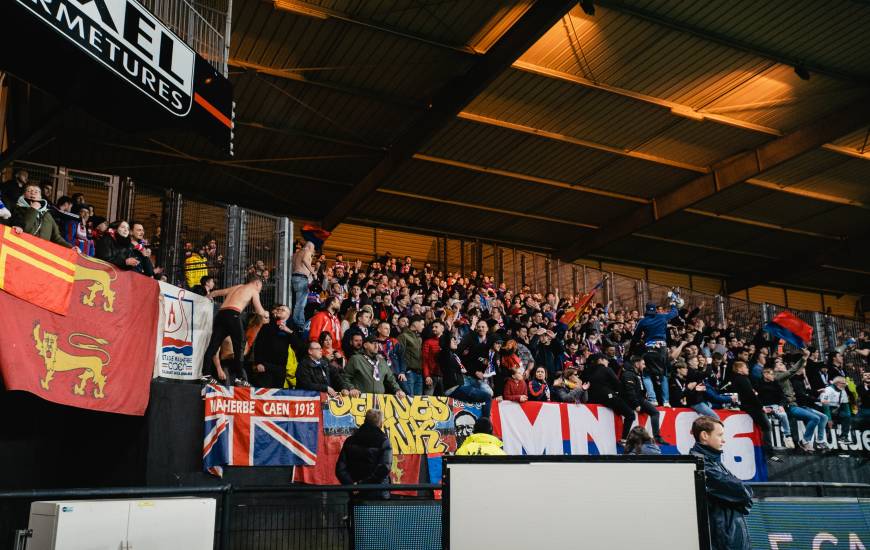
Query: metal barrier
x,y
247,518
205,28
313,517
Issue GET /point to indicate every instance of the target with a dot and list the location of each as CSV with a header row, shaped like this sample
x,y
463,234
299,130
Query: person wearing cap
x,y
604,389
481,442
368,372
651,331
412,354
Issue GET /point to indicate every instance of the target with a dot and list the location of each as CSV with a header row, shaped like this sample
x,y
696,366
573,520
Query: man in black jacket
x,y
316,373
367,456
750,404
604,390
728,499
271,349
635,396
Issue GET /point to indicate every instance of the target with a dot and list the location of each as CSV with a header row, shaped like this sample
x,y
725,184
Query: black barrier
x,y
332,518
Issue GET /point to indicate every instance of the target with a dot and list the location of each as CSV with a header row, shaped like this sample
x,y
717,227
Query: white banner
x,y
184,331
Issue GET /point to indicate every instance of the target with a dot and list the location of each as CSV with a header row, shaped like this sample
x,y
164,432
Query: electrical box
x,y
148,524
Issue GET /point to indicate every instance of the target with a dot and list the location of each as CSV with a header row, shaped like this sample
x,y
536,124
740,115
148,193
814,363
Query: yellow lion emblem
x,y
101,283
57,360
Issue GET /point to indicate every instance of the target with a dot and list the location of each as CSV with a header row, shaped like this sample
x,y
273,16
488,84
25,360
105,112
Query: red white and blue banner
x,y
259,427
534,428
185,330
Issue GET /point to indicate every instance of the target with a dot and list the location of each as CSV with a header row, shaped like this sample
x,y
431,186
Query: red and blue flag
x,y
786,326
259,427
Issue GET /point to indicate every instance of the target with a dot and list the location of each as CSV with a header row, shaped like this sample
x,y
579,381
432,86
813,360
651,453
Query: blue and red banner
x,y
785,326
259,427
535,428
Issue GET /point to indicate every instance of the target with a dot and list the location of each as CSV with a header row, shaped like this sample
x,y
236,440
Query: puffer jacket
x,y
481,444
37,221
366,457
728,502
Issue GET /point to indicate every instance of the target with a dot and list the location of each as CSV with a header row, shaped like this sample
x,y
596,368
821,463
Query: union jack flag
x,y
259,427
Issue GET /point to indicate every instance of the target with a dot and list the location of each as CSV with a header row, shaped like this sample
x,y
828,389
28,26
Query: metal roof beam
x,y
728,173
453,97
728,41
292,132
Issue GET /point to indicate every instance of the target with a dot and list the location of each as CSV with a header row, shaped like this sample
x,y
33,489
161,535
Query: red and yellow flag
x,y
36,270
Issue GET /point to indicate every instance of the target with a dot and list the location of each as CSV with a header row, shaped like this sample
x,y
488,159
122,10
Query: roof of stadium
x,y
722,138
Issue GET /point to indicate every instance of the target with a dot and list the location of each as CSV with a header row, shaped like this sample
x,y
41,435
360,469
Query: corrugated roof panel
x,y
831,34
453,22
630,53
637,177
779,99
781,209
542,157
506,149
839,220
731,198
847,180
566,108
858,140
339,52
287,104
702,144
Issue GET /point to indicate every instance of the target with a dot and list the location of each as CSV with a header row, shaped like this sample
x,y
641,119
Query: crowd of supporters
x,y
389,326
70,221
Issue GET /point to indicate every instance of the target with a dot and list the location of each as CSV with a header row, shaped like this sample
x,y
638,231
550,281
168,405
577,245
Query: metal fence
x,y
205,26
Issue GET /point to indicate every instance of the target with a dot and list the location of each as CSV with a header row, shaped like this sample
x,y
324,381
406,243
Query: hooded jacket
x,y
653,327
481,444
728,501
366,457
37,221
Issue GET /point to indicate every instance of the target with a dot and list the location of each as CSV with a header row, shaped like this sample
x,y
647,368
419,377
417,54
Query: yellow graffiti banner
x,y
415,425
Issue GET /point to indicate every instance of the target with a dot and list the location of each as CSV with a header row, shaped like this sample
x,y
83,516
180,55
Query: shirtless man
x,y
303,274
228,323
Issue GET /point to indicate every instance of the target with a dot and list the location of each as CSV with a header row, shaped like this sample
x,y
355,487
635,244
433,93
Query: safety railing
x,y
205,28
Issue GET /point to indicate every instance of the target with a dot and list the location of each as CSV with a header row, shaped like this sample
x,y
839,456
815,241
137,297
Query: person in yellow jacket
x,y
195,267
481,442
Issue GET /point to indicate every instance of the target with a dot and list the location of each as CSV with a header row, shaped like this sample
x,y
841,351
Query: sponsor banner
x,y
416,426
860,437
129,41
185,330
259,427
786,524
121,63
99,356
534,428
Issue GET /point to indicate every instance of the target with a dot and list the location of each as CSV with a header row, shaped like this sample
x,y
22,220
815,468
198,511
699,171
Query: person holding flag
x,y
652,331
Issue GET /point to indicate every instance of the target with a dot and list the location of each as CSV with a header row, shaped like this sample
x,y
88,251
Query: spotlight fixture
x,y
801,70
588,7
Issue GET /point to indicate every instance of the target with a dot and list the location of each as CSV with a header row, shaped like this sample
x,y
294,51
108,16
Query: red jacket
x,y
324,321
514,388
431,349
